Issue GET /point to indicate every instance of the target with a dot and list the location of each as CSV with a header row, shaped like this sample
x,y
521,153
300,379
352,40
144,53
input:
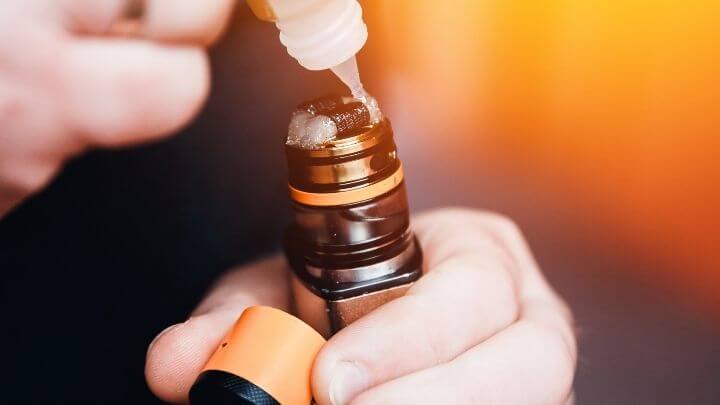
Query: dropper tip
x,y
359,93
348,73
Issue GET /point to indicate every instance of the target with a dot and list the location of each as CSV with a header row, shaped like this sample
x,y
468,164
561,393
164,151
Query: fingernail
x,y
159,335
347,381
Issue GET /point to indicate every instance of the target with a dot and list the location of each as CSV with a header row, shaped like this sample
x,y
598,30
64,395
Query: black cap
x,y
214,387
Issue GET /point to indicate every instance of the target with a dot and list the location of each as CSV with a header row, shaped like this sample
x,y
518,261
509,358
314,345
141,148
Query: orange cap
x,y
269,349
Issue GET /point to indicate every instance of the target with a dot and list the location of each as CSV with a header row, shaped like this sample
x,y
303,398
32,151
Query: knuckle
x,y
501,301
190,24
28,180
506,300
503,224
493,272
567,320
559,358
38,179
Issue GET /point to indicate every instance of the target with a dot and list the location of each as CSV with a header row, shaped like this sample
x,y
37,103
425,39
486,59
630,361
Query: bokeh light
x,y
612,106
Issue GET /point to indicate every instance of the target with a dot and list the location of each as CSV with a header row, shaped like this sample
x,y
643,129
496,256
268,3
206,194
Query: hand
x,y
66,85
481,326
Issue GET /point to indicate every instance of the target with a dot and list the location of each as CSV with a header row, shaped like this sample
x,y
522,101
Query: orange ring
x,y
349,196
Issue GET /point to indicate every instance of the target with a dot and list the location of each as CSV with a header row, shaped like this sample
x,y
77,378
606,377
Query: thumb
x,y
176,355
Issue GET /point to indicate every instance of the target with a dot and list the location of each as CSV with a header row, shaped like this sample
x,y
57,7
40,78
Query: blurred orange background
x,y
612,107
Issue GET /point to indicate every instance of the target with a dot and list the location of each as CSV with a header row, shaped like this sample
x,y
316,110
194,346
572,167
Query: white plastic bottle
x,y
320,34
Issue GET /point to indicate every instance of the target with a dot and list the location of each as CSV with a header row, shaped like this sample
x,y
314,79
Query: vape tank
x,y
350,245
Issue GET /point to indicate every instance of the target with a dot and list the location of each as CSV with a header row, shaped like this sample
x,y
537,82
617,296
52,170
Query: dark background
x,y
124,243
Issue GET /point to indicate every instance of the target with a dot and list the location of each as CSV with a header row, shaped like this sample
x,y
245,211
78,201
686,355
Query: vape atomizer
x,y
350,245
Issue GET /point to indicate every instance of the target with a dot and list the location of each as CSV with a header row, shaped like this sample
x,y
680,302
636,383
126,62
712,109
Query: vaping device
x,y
350,246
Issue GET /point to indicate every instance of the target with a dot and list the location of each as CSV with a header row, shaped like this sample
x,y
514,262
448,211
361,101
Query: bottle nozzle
x,y
349,74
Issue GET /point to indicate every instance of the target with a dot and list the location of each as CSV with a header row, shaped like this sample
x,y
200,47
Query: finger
x,y
467,296
116,92
28,162
188,21
91,16
532,287
176,355
179,21
532,361
528,363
